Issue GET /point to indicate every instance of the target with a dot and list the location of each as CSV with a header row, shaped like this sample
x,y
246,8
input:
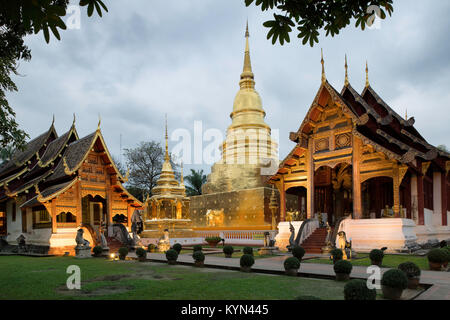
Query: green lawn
x,y
45,278
389,260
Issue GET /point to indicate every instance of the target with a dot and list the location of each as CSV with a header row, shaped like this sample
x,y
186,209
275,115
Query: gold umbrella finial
x,y
346,71
324,78
167,143
367,75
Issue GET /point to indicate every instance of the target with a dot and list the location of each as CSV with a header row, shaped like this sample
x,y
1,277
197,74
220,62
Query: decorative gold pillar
x,y
79,209
356,163
273,206
282,201
396,190
310,180
53,213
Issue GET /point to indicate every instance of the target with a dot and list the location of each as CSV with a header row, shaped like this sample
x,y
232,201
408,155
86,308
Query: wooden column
x,y
79,209
282,200
310,180
109,211
129,214
53,213
396,190
356,163
444,198
420,198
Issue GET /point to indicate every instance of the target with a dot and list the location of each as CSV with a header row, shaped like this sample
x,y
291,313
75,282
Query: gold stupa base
x,y
178,228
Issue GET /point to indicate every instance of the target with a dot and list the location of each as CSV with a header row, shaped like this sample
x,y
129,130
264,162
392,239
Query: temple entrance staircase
x,y
315,242
113,244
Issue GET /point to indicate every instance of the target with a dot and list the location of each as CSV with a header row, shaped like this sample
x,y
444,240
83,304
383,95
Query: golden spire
x,y
74,118
346,71
324,78
166,157
367,75
406,114
247,76
182,178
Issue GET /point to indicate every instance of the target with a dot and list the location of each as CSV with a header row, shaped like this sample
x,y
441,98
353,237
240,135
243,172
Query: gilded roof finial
x,y
74,118
367,75
324,78
346,71
99,121
53,121
166,157
406,114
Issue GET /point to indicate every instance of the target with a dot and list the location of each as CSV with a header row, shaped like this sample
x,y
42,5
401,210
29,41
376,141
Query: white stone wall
x,y
14,227
367,234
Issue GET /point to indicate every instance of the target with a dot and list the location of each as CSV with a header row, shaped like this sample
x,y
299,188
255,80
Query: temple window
x,y
2,219
41,218
66,219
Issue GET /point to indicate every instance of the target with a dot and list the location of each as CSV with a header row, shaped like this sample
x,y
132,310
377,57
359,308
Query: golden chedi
x,y
168,207
235,194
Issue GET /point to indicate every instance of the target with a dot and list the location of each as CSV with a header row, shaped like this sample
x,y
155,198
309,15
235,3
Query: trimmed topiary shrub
x,y
393,282
298,252
437,255
151,247
248,250
357,290
141,254
198,256
98,250
394,278
412,272
336,254
247,260
343,266
171,255
123,252
410,269
177,247
198,247
376,256
291,263
228,250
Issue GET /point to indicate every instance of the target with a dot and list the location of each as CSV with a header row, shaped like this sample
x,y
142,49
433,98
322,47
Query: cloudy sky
x,y
147,58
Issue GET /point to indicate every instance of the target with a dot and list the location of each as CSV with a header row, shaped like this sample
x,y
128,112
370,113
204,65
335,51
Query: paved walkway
x,y
440,281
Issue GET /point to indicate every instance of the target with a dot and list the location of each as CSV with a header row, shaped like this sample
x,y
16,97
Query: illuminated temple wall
x,y
241,209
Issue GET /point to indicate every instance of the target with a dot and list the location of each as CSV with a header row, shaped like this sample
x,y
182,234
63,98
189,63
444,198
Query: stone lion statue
x,y
81,242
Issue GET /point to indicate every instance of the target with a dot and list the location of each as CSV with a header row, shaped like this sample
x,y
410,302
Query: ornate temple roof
x,y
375,122
54,166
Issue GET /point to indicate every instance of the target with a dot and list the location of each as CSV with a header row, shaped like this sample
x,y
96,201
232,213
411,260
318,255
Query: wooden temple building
x,y
58,184
355,157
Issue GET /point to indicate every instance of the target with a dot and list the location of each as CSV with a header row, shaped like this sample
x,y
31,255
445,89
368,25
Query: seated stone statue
x,y
164,241
81,242
388,213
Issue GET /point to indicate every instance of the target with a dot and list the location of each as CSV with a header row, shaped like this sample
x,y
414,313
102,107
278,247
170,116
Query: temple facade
x,y
236,194
59,184
356,158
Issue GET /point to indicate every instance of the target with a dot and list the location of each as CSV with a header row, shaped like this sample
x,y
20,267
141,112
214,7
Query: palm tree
x,y
195,182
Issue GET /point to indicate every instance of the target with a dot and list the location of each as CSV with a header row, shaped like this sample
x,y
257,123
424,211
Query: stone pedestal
x,y
282,238
83,252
